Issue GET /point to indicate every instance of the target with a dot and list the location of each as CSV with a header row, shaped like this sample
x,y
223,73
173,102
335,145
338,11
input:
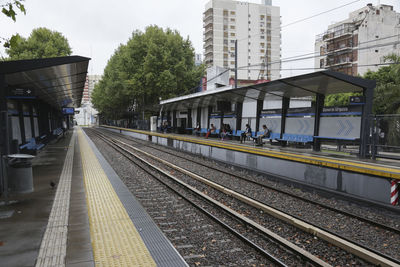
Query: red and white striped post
x,y
394,192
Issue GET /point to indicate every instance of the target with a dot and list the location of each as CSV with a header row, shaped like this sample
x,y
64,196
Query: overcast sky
x,y
95,28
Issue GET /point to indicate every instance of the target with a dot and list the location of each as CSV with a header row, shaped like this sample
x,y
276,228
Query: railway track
x,y
234,222
365,253
263,185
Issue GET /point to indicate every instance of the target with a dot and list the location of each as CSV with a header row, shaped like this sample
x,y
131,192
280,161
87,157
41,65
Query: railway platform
x,y
79,214
337,172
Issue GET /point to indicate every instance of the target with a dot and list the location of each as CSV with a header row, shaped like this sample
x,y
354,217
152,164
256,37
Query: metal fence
x,y
385,136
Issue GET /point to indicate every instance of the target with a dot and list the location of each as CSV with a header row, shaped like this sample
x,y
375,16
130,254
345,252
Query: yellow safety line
x,y
115,240
370,169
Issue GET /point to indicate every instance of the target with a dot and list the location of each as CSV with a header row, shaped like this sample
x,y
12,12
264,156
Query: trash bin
x,y
20,178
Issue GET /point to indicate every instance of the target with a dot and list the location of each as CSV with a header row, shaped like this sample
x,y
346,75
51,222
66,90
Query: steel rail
x,y
299,251
362,251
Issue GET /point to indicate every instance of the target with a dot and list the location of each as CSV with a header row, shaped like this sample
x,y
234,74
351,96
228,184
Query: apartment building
x,y
256,27
359,43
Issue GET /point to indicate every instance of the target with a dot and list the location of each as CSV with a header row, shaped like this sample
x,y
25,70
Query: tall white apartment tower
x,y
257,27
359,43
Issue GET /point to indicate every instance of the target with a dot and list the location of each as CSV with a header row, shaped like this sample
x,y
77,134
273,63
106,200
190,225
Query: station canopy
x,y
324,82
56,81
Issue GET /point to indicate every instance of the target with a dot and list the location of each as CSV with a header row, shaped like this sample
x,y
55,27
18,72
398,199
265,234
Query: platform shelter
x,y
239,106
34,94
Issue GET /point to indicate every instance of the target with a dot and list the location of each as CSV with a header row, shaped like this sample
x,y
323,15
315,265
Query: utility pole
x,y
236,63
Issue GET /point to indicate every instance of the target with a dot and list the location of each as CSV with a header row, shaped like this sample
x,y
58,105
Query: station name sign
x,y
309,111
21,93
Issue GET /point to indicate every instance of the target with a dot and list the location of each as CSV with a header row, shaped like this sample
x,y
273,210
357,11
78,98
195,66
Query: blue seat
x,y
32,145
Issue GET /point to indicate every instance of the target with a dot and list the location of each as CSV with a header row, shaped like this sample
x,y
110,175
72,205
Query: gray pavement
x,y
22,233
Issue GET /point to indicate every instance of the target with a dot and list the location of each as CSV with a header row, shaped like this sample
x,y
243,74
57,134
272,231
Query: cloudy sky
x,y
95,28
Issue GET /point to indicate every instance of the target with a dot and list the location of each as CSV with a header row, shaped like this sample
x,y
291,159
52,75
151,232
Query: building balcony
x,y
341,50
208,29
340,62
208,44
337,32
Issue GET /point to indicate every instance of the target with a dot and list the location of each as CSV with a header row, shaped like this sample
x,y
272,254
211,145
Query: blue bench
x,y
32,145
57,132
296,138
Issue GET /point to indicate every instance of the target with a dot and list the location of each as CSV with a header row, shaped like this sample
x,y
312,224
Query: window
x,y
232,48
232,41
233,12
262,17
249,57
232,27
233,34
249,22
262,37
232,19
232,62
262,51
225,12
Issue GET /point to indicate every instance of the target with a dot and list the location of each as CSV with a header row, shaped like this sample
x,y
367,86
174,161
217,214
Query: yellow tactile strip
x,y
366,168
115,240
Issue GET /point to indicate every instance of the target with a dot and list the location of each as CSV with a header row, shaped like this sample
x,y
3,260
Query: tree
x,y
387,91
42,43
9,9
152,65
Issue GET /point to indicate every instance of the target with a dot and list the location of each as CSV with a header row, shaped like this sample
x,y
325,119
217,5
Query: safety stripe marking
x,y
115,240
348,165
53,248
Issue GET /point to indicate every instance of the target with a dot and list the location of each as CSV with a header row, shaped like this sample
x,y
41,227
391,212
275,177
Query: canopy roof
x,y
56,81
324,82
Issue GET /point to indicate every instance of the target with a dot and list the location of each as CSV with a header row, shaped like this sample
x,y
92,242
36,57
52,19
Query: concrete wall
x,y
359,185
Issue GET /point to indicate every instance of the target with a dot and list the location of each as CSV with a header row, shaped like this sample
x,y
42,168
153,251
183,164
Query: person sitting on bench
x,y
211,130
197,130
245,134
266,133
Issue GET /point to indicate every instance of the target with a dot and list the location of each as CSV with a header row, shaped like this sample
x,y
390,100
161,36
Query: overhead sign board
x,y
23,93
357,100
68,111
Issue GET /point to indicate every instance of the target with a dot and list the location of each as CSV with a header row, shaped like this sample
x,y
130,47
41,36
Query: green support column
x,y
285,107
319,105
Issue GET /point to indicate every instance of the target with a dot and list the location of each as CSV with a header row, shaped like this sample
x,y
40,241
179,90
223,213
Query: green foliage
x,y
337,100
8,9
42,43
387,91
152,65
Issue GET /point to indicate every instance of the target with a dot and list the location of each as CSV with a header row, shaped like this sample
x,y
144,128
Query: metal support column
x,y
4,141
319,105
198,116
285,107
208,116
189,118
174,120
365,121
239,111
21,121
32,119
260,105
169,118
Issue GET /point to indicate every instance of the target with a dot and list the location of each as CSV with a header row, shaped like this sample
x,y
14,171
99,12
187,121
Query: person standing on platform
x,y
211,130
245,134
